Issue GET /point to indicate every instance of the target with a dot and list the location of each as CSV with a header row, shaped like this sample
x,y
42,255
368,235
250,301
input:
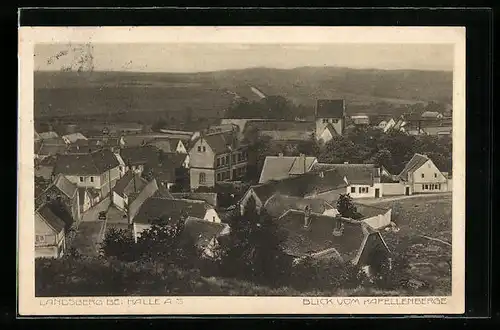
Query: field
x,y
146,96
425,235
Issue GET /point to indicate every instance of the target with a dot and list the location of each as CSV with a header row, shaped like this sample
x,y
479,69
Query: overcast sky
x,y
214,57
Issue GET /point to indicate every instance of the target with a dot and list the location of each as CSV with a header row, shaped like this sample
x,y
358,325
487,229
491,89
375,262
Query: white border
x,y
28,36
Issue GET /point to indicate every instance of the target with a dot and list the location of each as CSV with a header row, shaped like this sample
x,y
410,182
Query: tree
x,y
255,247
120,244
159,124
346,207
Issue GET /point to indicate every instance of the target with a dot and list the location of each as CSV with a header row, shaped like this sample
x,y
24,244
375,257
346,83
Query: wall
x,y
109,182
212,216
86,181
417,188
46,252
320,126
380,220
450,184
118,201
245,199
393,189
42,228
203,159
429,170
180,148
325,136
149,190
369,194
194,176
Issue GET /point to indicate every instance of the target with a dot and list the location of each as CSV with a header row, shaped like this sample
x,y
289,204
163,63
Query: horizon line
x,y
249,68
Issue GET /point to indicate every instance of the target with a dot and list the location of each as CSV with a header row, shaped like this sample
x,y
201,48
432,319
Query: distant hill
x,y
208,94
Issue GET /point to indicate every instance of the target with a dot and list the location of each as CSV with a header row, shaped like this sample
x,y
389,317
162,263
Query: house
x,y
130,183
155,208
281,167
342,239
50,240
421,175
63,193
280,130
169,168
216,157
363,180
386,125
135,158
48,135
438,130
279,204
113,143
360,120
210,198
326,185
72,138
49,148
330,119
204,234
240,123
97,170
432,115
44,167
169,145
185,136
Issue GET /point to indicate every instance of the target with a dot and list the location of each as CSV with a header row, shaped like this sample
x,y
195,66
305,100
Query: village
x,y
95,179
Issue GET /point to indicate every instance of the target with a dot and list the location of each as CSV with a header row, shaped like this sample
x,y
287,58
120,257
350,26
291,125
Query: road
x,y
92,214
90,230
397,198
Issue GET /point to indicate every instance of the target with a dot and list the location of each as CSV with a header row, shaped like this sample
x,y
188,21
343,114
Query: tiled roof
x,y
201,231
330,108
48,135
281,167
154,208
279,204
318,236
51,149
53,220
301,185
139,155
86,164
210,198
66,186
415,162
166,145
128,183
354,173
221,142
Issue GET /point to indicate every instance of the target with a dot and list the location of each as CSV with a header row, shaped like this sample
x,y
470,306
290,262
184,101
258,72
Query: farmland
x,y
146,96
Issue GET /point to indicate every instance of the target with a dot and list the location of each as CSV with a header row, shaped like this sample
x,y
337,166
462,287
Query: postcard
x,y
241,170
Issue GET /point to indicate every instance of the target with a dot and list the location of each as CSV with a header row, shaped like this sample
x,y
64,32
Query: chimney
x,y
280,154
307,216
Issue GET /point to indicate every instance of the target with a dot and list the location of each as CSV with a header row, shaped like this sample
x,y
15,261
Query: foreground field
x,y
425,224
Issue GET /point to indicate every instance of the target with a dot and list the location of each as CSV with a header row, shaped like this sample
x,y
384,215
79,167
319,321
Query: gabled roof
x,y
220,142
318,236
354,173
432,114
52,220
210,198
281,167
301,185
48,135
51,149
94,163
279,204
415,162
201,231
128,183
65,186
166,145
71,138
368,211
330,108
332,130
139,155
155,207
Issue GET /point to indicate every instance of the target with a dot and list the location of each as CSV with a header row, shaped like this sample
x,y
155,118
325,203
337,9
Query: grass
x,y
424,216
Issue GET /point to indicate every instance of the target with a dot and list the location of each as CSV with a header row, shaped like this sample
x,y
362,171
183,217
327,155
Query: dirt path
x,y
397,198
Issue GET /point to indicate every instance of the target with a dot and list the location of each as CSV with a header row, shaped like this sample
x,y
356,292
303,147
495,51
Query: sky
x,y
185,57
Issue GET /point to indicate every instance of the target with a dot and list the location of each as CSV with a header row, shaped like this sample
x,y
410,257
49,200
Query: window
x,y
218,176
423,175
439,186
218,162
202,178
353,189
435,175
325,120
81,179
39,238
91,179
363,190
335,121
426,187
204,149
199,148
423,187
233,158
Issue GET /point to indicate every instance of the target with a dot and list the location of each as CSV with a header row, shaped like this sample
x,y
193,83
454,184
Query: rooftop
x,y
156,207
354,173
94,163
330,108
281,167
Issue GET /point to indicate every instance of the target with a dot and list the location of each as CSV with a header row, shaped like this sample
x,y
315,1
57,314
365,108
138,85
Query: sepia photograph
x,y
254,164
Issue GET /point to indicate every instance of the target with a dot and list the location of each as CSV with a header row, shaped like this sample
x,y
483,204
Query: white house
x,y
282,167
421,175
50,241
330,119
